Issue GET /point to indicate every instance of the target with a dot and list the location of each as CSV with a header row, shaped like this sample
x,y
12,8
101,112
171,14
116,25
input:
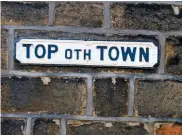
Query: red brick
x,y
168,129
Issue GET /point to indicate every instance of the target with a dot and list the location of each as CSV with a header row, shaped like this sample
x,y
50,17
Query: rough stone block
x,y
43,95
158,98
12,126
145,16
111,97
82,14
173,58
46,127
4,49
24,13
105,128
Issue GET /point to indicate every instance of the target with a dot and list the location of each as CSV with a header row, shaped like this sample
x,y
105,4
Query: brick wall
x,y
42,100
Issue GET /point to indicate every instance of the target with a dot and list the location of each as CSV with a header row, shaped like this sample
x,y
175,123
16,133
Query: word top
x,y
87,53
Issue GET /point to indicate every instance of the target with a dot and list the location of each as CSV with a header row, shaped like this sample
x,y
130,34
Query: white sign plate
x,y
92,53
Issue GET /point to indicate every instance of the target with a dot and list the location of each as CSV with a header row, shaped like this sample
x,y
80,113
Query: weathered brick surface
x,y
111,97
158,98
168,129
174,55
143,16
24,13
79,36
105,128
12,126
84,14
60,95
4,49
46,127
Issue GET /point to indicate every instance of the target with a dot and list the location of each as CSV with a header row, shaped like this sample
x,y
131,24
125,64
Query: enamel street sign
x,y
87,53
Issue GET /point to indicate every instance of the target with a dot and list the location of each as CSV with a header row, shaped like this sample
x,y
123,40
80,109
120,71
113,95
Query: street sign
x,y
87,53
